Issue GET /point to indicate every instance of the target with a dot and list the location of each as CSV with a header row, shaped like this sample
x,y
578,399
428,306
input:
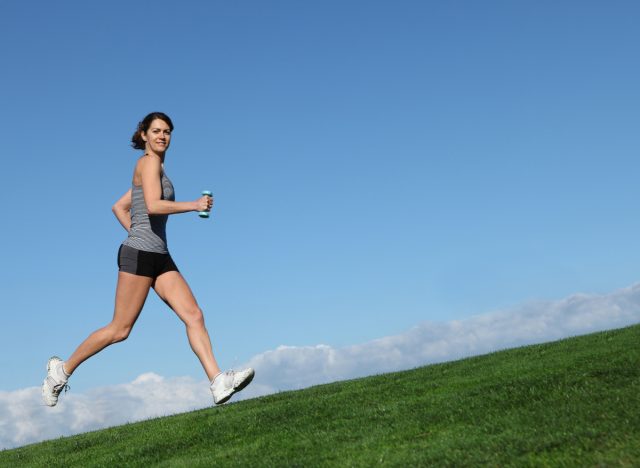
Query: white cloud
x,y
23,418
296,367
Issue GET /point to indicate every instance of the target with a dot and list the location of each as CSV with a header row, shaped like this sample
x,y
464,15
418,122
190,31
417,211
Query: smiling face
x,y
158,137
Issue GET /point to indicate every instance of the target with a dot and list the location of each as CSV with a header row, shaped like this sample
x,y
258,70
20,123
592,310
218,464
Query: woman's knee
x,y
119,333
193,317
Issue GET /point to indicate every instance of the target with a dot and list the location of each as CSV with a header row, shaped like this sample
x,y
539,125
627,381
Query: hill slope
x,y
570,402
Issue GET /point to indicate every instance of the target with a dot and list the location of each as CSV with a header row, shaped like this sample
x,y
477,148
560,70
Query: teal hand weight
x,y
204,214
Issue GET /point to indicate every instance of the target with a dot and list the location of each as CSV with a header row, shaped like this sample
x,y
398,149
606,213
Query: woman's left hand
x,y
204,203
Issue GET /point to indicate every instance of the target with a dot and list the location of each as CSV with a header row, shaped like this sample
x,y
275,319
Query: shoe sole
x,y
52,358
235,390
44,383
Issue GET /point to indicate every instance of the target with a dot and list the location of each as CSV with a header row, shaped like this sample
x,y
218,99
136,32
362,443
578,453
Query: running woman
x,y
144,262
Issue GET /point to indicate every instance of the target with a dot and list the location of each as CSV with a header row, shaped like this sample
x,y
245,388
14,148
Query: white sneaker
x,y
55,382
227,383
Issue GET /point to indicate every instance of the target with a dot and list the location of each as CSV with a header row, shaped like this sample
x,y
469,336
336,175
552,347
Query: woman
x,y
144,262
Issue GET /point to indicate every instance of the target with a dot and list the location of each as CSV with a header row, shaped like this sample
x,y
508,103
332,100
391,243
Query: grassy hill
x,y
567,403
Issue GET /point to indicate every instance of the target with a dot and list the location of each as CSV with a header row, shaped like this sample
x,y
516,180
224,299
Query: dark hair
x,y
136,140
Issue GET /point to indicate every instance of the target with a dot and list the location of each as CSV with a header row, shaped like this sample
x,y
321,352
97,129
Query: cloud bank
x,y
297,367
24,419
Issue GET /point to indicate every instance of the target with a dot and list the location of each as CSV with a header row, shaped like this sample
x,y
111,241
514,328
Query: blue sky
x,y
375,165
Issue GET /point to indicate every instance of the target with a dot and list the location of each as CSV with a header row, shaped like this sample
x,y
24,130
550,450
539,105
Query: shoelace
x,y
224,375
229,373
58,389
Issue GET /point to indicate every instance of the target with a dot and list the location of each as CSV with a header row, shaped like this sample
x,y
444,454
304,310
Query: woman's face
x,y
158,137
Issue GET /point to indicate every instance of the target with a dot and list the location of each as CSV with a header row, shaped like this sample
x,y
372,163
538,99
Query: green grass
x,y
574,402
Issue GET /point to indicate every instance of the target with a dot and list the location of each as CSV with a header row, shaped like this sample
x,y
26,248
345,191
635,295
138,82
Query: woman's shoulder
x,y
146,163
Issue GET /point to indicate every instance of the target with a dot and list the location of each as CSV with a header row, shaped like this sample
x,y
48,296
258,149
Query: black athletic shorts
x,y
142,263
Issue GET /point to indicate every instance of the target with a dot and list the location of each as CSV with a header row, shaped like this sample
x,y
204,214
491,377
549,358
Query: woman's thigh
x,y
131,294
172,288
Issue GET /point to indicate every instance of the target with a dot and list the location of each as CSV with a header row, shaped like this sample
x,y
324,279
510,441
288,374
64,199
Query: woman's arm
x,y
150,172
122,210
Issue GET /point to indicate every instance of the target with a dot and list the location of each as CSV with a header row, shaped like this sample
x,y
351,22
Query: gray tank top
x,y
148,233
